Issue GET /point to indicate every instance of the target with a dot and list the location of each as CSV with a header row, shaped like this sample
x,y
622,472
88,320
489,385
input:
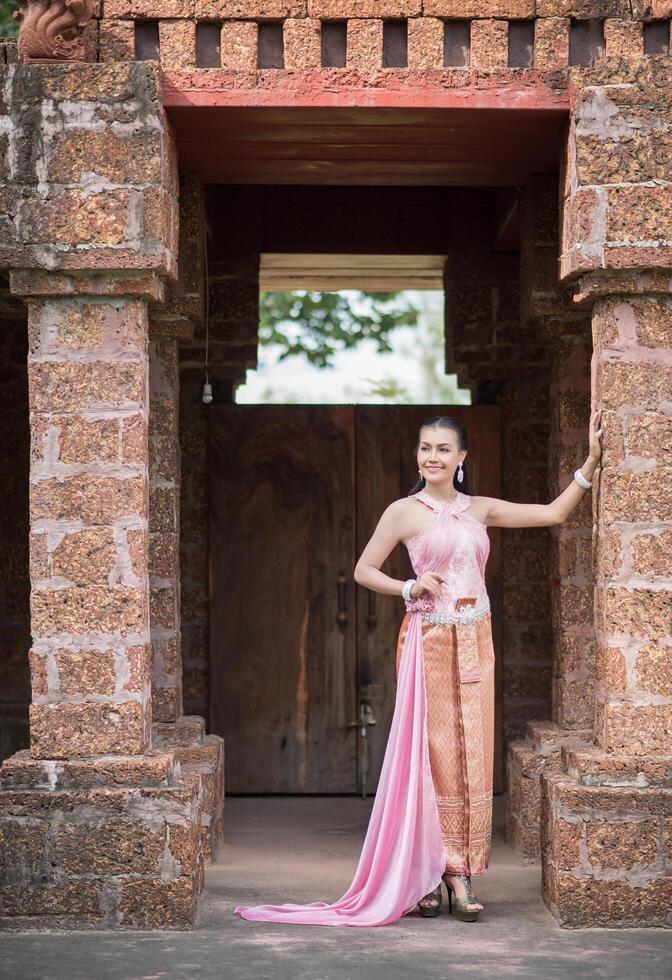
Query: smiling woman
x,y
432,815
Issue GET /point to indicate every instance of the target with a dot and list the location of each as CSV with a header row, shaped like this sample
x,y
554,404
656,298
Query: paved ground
x,y
281,849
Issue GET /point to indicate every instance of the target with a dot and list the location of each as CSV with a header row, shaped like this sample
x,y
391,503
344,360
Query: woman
x,y
432,813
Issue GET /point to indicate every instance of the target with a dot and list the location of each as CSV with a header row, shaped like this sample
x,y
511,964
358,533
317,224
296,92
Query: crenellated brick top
x,y
369,35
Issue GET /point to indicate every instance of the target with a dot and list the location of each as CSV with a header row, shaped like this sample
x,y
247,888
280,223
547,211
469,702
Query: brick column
x,y
606,812
98,826
201,756
89,508
548,309
164,561
632,366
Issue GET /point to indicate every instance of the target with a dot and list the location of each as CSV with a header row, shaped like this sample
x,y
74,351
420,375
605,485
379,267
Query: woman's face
x,y
439,455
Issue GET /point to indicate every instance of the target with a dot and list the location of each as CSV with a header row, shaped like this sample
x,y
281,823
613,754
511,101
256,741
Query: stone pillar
x,y
547,308
174,323
164,488
607,811
89,508
99,826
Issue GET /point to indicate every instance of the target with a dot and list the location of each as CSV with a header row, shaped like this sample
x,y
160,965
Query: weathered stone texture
x,y
619,132
302,43
425,42
604,851
238,47
177,43
365,45
489,44
99,191
111,857
551,42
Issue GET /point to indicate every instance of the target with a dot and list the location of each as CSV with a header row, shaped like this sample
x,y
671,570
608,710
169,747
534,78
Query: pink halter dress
x,y
403,857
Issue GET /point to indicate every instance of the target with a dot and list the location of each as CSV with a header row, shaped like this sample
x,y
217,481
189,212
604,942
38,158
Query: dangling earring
x,y
460,474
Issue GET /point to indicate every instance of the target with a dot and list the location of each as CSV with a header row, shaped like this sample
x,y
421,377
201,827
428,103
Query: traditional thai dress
x,y
433,806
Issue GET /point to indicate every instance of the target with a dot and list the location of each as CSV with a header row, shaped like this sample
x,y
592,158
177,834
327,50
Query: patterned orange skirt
x,y
460,730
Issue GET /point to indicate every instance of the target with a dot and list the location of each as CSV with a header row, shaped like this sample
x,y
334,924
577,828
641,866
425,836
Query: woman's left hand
x,y
594,434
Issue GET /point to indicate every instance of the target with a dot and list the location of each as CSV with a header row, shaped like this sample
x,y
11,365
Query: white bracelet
x,y
406,588
581,480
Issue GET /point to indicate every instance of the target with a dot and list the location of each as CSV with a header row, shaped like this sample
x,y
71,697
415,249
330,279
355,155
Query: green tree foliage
x,y
9,26
317,325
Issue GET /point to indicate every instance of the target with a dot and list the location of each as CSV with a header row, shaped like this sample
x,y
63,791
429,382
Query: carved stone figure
x,y
51,30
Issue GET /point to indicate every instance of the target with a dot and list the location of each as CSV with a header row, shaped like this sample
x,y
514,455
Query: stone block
x,y
156,768
164,556
68,217
257,10
112,850
350,9
134,447
639,213
88,498
177,44
85,557
637,384
623,38
425,42
85,610
489,44
116,40
629,729
166,702
625,844
71,386
551,43
590,765
635,612
68,326
163,509
188,730
239,45
85,672
114,846
472,9
149,9
60,731
302,43
650,553
155,904
650,435
78,155
365,45
636,496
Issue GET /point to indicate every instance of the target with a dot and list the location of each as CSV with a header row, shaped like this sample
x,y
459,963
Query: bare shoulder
x,y
400,515
479,506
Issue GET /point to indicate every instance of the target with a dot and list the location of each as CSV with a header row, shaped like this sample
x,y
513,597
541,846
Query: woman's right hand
x,y
428,582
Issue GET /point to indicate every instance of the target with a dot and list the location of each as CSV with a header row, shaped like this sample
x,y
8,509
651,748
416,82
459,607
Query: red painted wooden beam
x,y
343,88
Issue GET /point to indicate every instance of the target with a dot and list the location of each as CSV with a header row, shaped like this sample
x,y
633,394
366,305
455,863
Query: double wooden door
x,y
302,660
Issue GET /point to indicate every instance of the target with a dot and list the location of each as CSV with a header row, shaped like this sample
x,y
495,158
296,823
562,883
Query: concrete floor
x,y
281,849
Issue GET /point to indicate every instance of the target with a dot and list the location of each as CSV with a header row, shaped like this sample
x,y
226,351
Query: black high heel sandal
x,y
462,910
429,911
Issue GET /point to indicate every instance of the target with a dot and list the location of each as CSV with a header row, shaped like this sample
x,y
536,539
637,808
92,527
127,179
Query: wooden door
x,y
296,492
282,629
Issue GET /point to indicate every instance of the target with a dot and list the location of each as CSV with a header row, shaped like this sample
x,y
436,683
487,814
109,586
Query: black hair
x,y
447,422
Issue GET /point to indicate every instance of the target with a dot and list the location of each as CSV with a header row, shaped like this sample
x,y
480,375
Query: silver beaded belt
x,y
446,618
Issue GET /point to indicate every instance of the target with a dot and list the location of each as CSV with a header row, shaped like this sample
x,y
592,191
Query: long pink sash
x,y
402,856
